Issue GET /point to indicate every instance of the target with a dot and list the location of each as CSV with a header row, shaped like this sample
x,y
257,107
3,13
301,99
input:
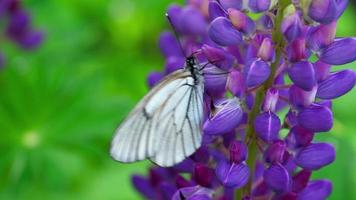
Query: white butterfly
x,y
166,125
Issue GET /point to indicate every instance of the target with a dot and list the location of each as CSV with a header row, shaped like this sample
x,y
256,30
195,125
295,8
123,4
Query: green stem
x,y
253,152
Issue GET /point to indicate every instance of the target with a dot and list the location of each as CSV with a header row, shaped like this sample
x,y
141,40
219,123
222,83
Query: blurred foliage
x,y
60,105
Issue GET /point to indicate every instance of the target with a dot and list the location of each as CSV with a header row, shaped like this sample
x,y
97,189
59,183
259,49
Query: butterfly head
x,y
190,62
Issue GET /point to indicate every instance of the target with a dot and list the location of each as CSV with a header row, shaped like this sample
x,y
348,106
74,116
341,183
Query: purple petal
x,y
259,5
316,190
193,193
235,83
154,78
31,39
300,180
236,4
299,137
316,118
286,196
336,85
266,51
267,126
303,75
215,10
332,54
292,27
169,45
231,174
257,73
277,178
222,32
323,11
215,80
301,98
174,12
275,152
315,156
167,190
192,21
174,63
238,152
143,186
265,23
218,57
227,118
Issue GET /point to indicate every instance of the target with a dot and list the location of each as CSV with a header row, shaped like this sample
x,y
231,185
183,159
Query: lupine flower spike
x,y
243,155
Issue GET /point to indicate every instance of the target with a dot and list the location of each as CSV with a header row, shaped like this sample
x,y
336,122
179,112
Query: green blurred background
x,y
60,104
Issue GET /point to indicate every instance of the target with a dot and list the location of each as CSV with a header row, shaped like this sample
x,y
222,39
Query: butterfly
x,y
166,125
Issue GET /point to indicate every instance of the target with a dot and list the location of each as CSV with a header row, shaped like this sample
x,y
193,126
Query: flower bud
x,y
271,100
266,51
324,11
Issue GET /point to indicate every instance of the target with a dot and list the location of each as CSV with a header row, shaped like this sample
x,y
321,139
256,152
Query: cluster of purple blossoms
x,y
279,60
17,26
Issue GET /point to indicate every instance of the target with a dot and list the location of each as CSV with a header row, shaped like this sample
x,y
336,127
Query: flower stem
x,y
253,153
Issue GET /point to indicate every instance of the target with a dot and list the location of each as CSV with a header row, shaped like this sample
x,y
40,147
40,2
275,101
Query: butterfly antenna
x,y
176,34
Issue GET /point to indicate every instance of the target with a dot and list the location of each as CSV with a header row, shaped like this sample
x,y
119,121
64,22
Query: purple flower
x,y
222,32
316,118
267,126
318,189
246,64
227,117
256,73
277,178
231,174
331,54
315,156
336,85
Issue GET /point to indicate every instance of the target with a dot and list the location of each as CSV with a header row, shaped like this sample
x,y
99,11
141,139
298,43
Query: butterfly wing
x,y
170,115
